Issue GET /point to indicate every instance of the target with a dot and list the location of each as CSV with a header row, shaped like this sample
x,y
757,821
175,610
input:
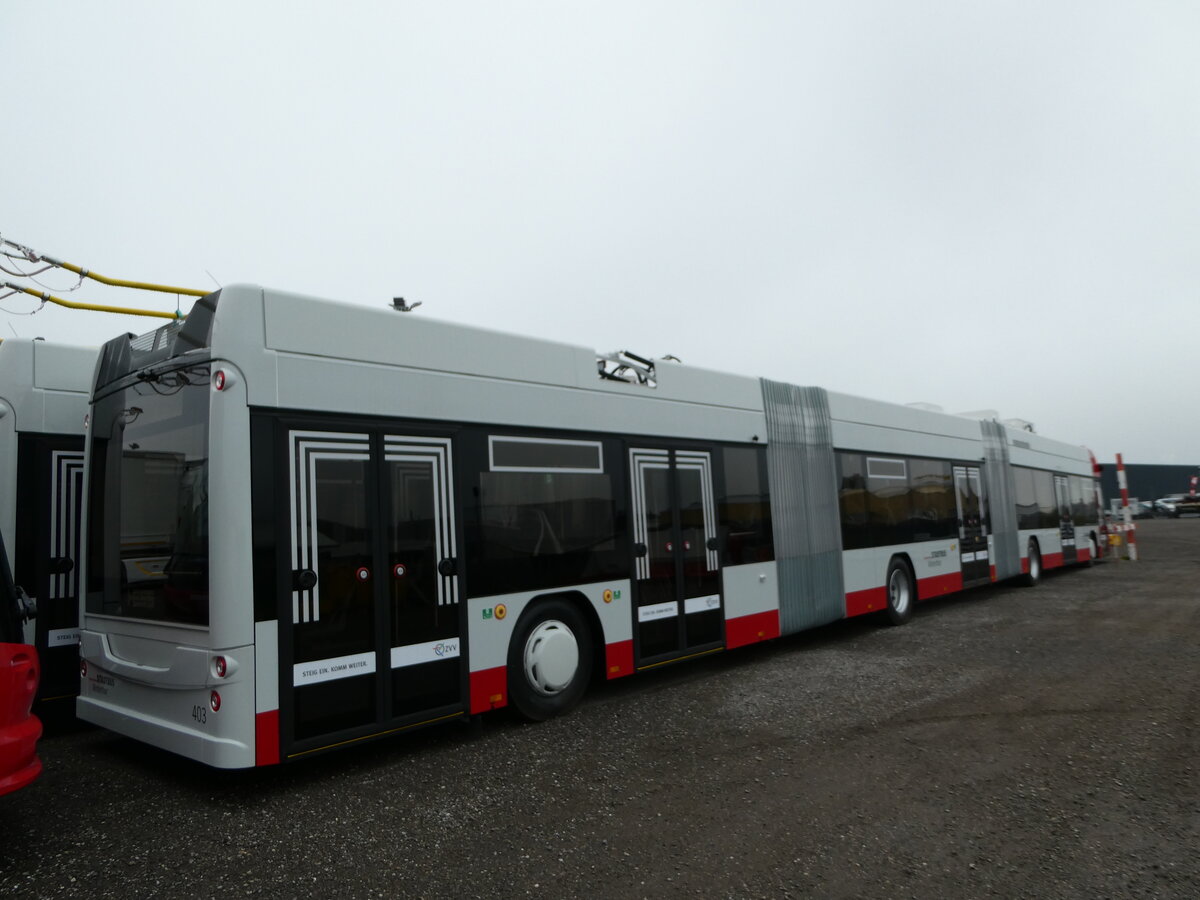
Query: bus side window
x,y
744,509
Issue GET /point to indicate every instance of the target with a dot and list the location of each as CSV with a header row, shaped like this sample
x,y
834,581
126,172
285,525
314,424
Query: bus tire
x,y
1034,575
549,660
901,592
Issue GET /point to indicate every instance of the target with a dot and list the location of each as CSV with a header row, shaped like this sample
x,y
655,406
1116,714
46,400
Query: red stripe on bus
x,y
751,629
266,738
1052,560
861,602
937,585
1024,565
618,659
1083,554
489,689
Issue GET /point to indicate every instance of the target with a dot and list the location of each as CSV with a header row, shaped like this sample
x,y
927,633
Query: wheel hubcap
x,y
898,591
551,657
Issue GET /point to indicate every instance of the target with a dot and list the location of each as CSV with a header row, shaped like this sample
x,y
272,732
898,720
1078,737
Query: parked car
x,y
1164,507
1187,505
19,728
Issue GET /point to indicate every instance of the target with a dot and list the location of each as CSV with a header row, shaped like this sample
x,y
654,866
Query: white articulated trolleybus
x,y
44,391
312,523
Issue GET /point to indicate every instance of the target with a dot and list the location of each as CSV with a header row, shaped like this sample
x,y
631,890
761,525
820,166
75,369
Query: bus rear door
x,y
372,641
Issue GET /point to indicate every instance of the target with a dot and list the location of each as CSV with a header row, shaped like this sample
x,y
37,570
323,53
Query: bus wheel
x,y
900,594
549,660
1034,575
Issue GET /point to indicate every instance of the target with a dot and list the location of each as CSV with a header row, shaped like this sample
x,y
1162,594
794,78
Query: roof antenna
x,y
399,305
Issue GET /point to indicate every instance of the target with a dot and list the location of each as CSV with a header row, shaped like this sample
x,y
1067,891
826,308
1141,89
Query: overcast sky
x,y
979,205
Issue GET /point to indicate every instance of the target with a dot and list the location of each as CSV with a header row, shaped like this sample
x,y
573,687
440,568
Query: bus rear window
x,y
148,500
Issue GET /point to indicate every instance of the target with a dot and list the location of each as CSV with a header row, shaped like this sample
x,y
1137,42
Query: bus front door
x,y
678,609
972,526
374,637
1066,524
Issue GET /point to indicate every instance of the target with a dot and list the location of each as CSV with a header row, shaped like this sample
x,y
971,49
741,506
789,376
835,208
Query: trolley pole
x,y
1131,539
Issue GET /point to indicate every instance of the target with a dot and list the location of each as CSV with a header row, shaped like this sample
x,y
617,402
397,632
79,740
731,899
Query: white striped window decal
x,y
432,456
309,448
66,490
639,462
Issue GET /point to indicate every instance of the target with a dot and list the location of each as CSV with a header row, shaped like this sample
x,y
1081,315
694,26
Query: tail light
x,y
220,667
215,701
83,668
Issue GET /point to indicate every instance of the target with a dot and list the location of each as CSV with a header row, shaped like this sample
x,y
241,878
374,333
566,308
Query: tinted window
x,y
542,529
852,501
888,508
539,455
1043,485
744,509
1026,494
148,500
933,511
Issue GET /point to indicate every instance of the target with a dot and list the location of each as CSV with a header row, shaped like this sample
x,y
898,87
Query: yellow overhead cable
x,y
118,282
71,304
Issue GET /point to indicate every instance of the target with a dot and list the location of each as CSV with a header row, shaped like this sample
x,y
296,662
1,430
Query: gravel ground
x,y
1008,742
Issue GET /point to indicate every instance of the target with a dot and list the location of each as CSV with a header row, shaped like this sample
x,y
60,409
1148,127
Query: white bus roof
x,y
46,385
307,353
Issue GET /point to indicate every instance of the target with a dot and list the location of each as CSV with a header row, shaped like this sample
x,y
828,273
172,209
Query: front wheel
x,y
549,660
901,597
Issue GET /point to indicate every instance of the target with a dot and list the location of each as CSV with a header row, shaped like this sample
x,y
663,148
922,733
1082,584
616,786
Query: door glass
x,y
424,611
334,619
980,499
657,605
701,591
968,504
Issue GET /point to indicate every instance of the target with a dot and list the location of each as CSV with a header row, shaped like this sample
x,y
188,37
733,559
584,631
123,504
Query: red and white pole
x,y
1130,538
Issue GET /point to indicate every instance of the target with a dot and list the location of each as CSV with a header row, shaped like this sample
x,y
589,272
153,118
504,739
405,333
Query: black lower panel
x,y
334,706
426,686
704,628
659,636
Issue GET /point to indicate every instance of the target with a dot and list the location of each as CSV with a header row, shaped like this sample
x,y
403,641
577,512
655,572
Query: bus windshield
x,y
148,499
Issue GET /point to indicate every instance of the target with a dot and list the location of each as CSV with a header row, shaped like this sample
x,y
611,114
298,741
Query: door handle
x,y
303,579
61,565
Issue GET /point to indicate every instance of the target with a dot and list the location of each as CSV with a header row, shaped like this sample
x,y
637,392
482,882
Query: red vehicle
x,y
19,729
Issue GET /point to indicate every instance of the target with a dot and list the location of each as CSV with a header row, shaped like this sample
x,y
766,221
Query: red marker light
x,y
215,701
83,668
219,666
219,380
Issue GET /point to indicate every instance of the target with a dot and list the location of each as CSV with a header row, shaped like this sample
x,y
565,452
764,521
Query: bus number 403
x,y
200,714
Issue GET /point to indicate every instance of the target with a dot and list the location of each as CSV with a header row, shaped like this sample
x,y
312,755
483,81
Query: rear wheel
x,y
1034,575
901,596
549,660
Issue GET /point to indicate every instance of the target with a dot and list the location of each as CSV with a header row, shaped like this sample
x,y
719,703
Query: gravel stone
x,y
1008,742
